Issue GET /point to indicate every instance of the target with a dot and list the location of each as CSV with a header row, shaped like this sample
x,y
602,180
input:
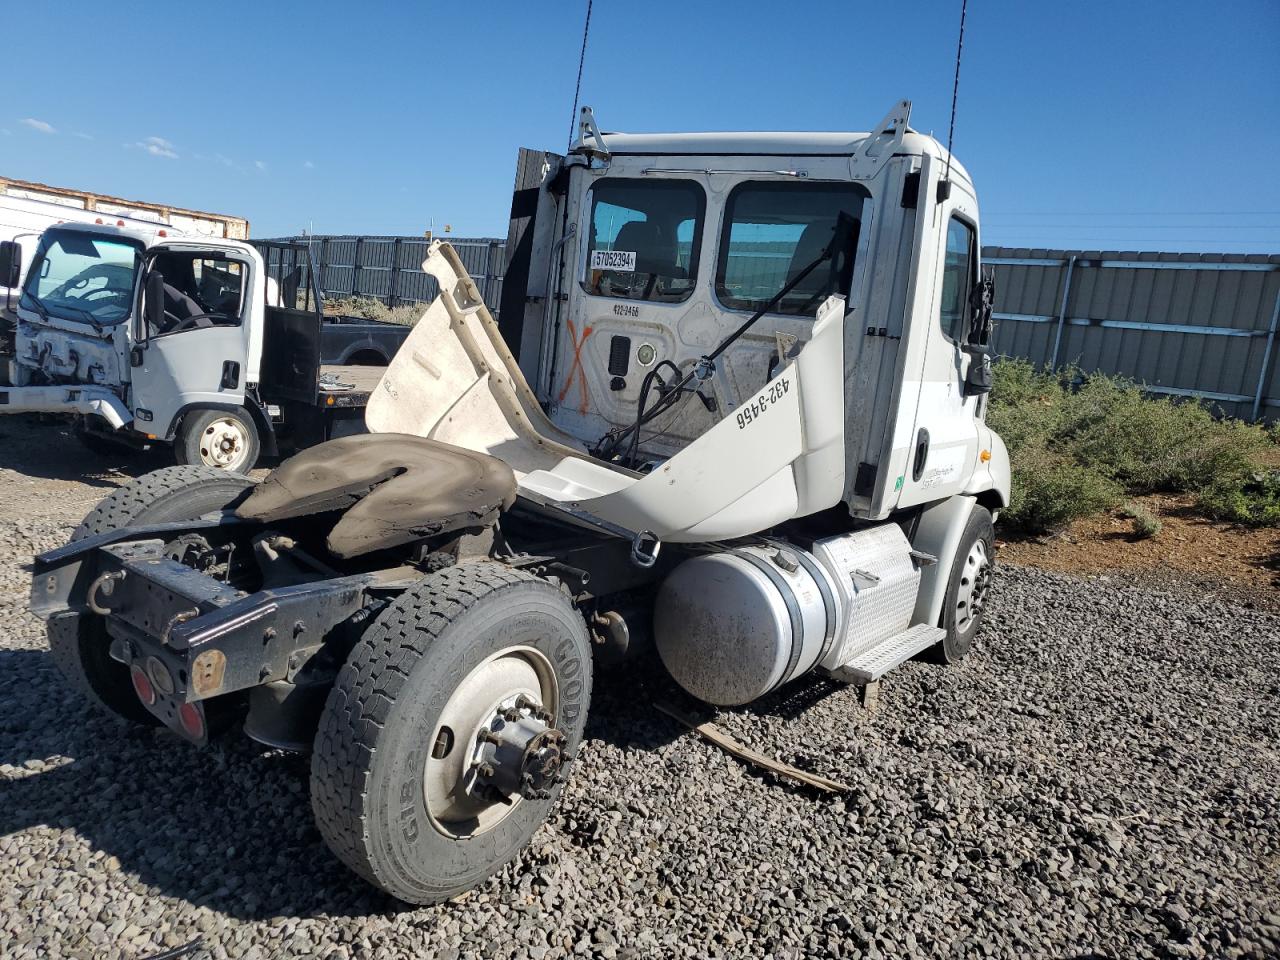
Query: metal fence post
x,y
1062,313
395,272
324,264
1266,360
355,268
489,271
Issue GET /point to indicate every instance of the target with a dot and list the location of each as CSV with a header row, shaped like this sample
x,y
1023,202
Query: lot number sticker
x,y
623,260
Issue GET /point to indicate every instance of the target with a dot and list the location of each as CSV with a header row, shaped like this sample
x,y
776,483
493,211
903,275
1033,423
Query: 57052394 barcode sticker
x,y
623,260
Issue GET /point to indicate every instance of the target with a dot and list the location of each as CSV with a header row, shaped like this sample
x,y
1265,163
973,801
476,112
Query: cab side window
x,y
772,232
200,291
958,272
644,237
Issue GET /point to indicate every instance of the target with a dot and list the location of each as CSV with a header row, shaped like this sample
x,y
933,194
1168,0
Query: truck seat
x,y
392,489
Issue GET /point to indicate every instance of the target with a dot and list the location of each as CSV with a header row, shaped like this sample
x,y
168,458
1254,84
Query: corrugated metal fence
x,y
1202,325
390,268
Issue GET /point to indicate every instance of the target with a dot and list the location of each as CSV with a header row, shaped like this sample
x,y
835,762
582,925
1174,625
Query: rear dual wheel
x,y
78,641
445,739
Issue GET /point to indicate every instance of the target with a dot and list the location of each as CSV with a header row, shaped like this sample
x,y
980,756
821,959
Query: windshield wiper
x,y
37,303
93,321
43,309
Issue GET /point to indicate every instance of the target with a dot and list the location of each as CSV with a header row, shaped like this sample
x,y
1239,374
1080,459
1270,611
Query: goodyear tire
x,y
968,588
79,642
381,743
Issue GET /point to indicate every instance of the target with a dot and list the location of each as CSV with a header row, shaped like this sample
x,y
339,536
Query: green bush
x,y
372,309
1051,489
1079,443
1151,444
1253,500
1145,523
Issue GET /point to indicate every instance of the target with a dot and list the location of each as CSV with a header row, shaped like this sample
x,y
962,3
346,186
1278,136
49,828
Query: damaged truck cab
x,y
146,335
731,411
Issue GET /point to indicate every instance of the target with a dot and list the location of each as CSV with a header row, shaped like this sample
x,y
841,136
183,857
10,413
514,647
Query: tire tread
x,y
126,503
366,690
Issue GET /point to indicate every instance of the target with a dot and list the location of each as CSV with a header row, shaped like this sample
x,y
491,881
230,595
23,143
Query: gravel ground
x,y
1099,779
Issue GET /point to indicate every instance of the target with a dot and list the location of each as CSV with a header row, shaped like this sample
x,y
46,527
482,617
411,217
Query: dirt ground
x,y
1241,562
1096,779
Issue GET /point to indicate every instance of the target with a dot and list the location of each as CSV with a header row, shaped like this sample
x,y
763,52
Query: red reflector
x,y
99,220
192,720
142,686
119,223
161,233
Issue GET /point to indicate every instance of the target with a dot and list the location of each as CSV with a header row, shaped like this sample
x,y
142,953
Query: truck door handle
x,y
135,356
230,375
922,455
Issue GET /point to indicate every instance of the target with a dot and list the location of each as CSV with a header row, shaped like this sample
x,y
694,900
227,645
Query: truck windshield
x,y
76,276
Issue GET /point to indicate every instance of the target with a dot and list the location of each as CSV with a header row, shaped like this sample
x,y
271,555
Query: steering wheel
x,y
106,292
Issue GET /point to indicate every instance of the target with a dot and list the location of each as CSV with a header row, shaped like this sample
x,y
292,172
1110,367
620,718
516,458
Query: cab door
x,y
944,440
196,356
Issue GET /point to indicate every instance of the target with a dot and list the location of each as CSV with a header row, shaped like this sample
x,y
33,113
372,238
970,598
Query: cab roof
x,y
149,236
776,144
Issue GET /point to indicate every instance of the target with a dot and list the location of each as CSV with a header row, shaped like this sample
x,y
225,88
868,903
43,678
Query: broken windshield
x,y
82,277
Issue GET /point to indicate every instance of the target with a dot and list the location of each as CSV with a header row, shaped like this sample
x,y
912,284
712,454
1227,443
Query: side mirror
x,y
153,306
978,379
10,263
981,302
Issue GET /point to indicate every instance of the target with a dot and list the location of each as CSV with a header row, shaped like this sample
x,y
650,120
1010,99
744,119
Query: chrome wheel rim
x,y
975,584
501,710
224,444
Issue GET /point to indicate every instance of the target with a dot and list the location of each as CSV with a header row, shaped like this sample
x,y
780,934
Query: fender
x,y
938,533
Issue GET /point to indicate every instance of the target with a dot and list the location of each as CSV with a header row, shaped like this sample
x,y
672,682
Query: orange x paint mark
x,y
576,369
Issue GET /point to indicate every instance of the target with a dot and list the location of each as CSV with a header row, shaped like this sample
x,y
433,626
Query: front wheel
x,y
968,589
444,740
224,439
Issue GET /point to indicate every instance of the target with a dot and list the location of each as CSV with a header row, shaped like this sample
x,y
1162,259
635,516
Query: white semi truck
x,y
748,409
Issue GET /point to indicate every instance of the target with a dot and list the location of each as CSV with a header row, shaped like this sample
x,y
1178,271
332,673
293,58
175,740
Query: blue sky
x,y
1129,124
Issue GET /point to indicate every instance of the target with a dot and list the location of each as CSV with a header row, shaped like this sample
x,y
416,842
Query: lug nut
x,y
488,736
485,770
